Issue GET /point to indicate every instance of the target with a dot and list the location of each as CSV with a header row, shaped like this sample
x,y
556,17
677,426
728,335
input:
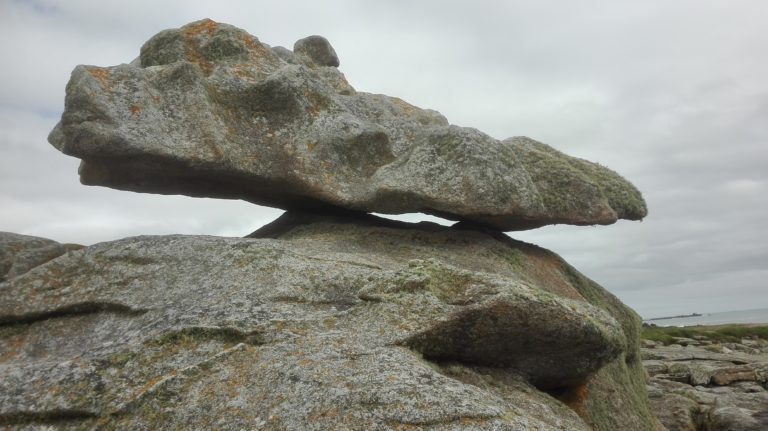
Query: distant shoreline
x,y
682,316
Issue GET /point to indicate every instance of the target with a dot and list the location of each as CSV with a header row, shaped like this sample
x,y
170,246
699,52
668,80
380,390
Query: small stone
x,y
318,49
728,375
649,344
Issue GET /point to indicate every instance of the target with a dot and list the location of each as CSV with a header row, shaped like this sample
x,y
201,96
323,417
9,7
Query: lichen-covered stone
x,y
208,110
318,323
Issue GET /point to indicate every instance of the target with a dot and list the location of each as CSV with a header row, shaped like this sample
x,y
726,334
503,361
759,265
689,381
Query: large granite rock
x,y
208,110
318,323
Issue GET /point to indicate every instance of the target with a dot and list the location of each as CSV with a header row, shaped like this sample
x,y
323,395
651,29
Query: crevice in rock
x,y
79,309
293,219
464,420
341,304
732,360
49,417
156,385
574,396
566,391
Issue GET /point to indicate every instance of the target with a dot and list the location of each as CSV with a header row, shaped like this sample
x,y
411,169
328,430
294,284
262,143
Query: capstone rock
x,y
208,110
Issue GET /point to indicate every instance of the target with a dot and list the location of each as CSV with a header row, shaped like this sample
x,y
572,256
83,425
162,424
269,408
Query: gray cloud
x,y
670,94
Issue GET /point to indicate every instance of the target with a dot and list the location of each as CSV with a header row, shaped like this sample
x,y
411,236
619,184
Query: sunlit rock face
x,y
318,323
209,110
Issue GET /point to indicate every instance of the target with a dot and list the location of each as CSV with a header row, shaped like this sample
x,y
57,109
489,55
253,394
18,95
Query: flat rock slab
x,y
682,407
208,110
692,388
329,324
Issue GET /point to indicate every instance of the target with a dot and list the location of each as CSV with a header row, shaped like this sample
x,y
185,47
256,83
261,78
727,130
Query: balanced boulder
x,y
208,110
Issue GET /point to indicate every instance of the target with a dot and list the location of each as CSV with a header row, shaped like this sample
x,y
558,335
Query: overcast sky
x,y
671,94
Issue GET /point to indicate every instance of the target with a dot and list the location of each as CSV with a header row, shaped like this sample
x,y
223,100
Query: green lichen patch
x,y
720,334
191,337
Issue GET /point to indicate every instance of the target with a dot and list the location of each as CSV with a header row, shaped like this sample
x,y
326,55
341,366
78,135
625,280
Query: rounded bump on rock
x,y
318,49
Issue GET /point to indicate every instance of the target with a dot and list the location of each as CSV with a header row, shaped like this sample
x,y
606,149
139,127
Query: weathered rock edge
x,y
208,110
327,324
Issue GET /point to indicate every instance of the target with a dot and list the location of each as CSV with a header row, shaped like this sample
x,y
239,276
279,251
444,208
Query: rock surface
x,y
706,386
208,110
318,323
20,253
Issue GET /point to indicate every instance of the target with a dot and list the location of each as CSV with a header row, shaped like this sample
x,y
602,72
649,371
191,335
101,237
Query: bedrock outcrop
x,y
209,110
698,384
318,323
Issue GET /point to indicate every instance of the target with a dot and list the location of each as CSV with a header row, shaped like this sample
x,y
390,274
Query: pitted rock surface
x,y
318,323
209,110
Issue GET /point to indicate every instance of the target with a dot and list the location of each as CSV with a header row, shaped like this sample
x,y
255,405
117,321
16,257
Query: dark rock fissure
x,y
52,417
293,219
78,309
565,393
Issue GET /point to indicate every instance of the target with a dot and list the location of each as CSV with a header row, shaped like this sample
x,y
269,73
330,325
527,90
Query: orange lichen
x,y
102,75
135,109
257,50
191,46
206,25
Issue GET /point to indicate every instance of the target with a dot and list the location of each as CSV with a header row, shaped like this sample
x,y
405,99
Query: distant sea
x,y
758,315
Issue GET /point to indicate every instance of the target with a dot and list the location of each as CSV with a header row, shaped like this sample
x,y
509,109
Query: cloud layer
x,y
670,94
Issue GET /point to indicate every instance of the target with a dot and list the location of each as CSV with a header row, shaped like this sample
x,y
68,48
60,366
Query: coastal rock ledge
x,y
208,110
